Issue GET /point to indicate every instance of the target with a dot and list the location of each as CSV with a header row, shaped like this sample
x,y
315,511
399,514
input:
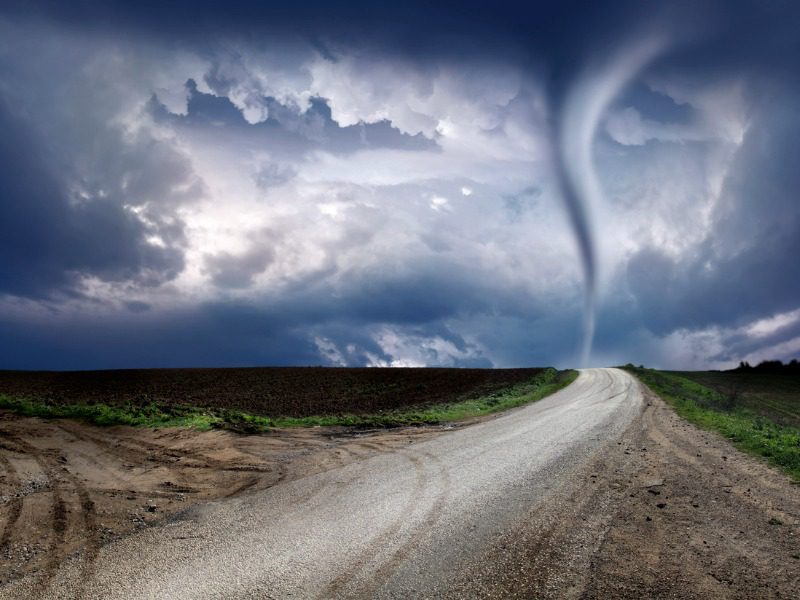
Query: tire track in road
x,y
150,452
141,448
57,551
372,446
334,588
14,503
89,515
243,486
382,572
418,533
657,434
628,384
58,510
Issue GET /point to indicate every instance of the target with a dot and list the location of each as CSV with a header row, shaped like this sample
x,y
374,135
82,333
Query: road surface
x,y
398,525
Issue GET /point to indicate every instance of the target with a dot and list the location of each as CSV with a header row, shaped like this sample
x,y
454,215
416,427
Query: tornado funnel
x,y
586,100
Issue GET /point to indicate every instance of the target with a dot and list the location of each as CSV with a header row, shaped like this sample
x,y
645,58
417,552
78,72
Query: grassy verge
x,y
150,415
707,408
545,383
775,396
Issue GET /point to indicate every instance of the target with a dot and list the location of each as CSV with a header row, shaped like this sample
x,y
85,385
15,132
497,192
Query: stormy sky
x,y
398,184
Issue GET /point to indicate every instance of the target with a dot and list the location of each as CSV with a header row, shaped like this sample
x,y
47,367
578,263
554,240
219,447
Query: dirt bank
x,y
67,487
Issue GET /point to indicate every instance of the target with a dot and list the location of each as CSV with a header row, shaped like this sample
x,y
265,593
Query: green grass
x,y
150,415
545,383
775,396
750,429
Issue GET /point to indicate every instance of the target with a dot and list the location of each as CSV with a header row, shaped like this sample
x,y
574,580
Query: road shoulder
x,y
700,520
666,511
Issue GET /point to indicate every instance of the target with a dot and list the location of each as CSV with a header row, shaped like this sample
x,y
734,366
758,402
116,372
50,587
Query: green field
x,y
758,412
544,383
775,396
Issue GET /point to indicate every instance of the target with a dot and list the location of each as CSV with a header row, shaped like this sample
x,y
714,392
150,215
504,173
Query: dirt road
x,y
396,524
597,491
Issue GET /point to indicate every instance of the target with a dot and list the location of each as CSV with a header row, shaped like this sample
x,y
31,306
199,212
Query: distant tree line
x,y
769,366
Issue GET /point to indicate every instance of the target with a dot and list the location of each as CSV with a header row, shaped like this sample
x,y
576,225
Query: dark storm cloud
x,y
433,291
49,238
208,335
276,330
740,345
205,335
412,27
747,266
558,36
237,271
135,306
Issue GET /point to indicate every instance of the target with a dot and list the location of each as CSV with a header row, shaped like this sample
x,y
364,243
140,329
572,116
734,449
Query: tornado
x,y
585,101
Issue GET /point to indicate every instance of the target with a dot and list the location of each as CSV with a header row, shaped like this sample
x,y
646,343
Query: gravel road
x,y
397,525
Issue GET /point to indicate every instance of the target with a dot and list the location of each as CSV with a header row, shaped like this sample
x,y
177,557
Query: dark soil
x,y
268,391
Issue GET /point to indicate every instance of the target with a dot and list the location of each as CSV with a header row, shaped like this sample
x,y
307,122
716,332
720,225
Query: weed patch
x,y
749,431
544,383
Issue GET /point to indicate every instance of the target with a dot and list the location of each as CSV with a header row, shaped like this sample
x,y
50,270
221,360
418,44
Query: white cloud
x,y
724,347
627,127
415,350
719,113
489,111
327,348
721,105
769,326
440,204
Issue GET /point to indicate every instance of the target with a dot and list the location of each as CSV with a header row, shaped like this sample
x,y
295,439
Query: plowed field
x,y
269,391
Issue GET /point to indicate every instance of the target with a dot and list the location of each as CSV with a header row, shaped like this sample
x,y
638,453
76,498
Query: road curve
x,y
398,525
